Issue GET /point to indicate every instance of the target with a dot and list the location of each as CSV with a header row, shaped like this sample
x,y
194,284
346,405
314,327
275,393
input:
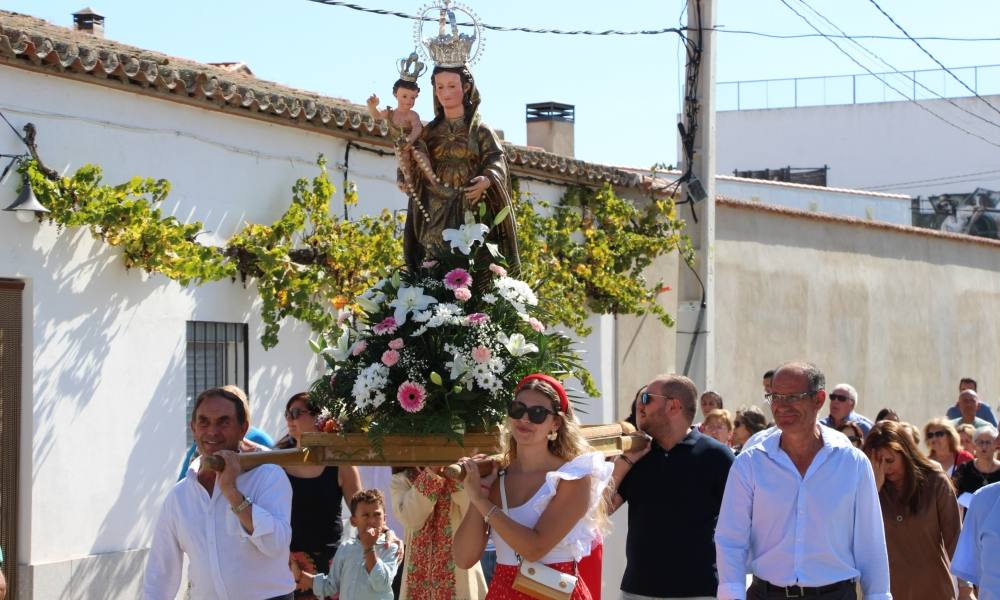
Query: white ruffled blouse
x,y
578,542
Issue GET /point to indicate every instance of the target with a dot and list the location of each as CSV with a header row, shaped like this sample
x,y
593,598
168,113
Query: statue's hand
x,y
475,190
373,101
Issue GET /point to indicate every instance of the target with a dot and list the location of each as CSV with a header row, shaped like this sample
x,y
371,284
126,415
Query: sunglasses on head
x,y
934,434
295,413
536,414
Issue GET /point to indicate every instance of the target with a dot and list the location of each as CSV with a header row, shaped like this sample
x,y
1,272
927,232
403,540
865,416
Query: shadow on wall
x,y
119,574
77,326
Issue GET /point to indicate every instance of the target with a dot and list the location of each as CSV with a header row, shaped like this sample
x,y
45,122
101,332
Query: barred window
x,y
216,356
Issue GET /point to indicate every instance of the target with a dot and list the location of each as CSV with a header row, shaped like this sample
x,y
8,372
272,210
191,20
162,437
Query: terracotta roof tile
x,y
29,42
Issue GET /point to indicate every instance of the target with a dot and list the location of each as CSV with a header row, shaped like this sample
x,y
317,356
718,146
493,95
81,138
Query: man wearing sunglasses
x,y
674,489
843,399
801,508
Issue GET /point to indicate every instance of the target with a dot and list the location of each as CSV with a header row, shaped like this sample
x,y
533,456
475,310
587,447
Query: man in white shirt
x,y
801,509
235,527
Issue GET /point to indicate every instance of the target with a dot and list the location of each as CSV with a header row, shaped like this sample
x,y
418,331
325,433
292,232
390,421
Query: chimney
x,y
88,21
550,126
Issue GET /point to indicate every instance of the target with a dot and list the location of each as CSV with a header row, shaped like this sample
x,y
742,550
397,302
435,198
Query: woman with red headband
x,y
545,506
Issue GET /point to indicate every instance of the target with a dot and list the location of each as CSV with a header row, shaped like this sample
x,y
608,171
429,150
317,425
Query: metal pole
x,y
696,350
854,89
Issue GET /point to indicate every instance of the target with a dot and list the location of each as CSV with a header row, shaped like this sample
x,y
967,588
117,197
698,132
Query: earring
x,y
553,436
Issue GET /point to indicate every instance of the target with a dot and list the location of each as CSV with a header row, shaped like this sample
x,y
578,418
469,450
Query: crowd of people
x,y
735,507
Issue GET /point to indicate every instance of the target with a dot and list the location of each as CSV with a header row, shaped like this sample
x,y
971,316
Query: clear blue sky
x,y
625,89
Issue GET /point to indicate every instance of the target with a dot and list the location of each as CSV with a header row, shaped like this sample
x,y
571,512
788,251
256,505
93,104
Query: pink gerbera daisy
x,y
457,278
411,396
387,325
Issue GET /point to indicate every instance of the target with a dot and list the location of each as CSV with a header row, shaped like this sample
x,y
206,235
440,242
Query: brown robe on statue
x,y
460,149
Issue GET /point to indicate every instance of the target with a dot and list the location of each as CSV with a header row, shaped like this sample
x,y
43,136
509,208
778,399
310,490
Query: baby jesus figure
x,y
405,126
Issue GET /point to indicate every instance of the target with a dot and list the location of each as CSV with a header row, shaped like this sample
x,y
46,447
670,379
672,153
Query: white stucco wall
x,y
867,145
104,394
899,315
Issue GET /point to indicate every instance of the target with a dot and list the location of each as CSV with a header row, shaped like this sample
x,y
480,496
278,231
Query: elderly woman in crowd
x,y
985,469
719,425
919,513
942,439
965,433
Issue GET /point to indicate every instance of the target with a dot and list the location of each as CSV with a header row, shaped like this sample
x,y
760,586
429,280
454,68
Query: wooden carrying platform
x,y
336,449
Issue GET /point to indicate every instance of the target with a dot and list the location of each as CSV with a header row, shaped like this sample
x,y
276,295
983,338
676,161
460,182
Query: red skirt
x,y
502,585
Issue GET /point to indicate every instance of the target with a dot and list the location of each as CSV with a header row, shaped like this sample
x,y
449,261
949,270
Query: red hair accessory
x,y
552,381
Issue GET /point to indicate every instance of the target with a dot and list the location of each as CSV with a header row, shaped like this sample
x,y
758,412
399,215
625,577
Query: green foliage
x,y
589,252
585,253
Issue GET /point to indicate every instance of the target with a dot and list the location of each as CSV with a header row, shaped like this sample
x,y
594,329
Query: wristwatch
x,y
241,506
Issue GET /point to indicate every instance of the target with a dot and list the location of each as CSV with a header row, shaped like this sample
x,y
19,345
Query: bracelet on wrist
x,y
627,460
489,513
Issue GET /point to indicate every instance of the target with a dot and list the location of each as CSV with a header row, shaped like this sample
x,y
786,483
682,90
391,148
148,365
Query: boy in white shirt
x,y
363,567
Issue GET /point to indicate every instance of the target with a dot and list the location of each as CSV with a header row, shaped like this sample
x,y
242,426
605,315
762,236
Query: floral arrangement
x,y
439,350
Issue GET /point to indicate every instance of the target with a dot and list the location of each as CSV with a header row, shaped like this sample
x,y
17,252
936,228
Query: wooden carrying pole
x,y
355,449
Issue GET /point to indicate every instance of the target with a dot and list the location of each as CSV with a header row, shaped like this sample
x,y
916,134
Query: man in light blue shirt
x,y
978,552
983,411
843,399
363,567
801,508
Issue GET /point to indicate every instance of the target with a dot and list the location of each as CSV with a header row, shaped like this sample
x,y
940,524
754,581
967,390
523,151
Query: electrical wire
x,y
796,36
944,179
912,78
932,57
887,84
401,15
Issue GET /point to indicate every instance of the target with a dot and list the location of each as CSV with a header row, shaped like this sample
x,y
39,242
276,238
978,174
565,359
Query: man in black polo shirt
x,y
674,489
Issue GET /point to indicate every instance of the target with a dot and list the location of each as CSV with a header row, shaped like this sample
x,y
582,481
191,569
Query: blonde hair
x,y
954,443
721,415
569,442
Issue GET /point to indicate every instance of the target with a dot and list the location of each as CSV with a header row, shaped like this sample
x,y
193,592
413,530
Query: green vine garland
x,y
588,250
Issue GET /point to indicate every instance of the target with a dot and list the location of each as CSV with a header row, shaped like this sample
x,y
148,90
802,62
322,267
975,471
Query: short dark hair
x,y
886,414
970,381
367,497
711,394
768,374
402,83
242,409
687,392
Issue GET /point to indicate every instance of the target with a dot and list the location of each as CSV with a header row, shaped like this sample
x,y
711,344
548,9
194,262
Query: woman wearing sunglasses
x,y
552,482
943,441
317,494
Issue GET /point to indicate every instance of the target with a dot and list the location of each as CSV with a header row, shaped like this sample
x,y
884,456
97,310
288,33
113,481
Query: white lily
x,y
410,299
342,350
517,345
370,301
465,236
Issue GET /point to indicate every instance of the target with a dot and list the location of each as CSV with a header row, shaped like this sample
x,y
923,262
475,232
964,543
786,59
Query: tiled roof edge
x,y
856,222
37,45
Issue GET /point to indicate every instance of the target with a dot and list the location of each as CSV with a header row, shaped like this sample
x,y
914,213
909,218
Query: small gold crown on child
x,y
451,49
410,68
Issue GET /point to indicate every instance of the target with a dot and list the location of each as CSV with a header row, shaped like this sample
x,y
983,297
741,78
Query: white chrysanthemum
x,y
490,298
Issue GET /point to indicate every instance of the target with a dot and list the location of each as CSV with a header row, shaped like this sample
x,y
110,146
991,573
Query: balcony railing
x,y
923,84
